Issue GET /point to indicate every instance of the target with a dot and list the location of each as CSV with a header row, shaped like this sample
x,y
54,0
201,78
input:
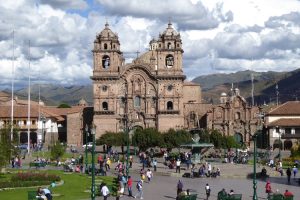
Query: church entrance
x,y
238,138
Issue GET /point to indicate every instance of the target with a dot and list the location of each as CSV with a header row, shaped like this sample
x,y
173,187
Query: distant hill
x,y
212,86
264,85
55,94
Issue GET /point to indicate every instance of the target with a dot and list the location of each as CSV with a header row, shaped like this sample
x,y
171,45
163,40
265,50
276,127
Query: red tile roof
x,y
286,122
288,108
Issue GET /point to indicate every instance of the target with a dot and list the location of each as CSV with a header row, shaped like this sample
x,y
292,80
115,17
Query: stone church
x,y
152,91
149,92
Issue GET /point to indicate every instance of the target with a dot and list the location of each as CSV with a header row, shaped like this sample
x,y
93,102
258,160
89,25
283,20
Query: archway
x,y
238,138
33,137
277,144
23,137
287,144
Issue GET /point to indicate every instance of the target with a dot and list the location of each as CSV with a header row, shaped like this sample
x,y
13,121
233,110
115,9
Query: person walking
x,y
295,171
129,186
207,191
104,191
268,188
149,175
139,187
178,162
155,164
289,173
179,187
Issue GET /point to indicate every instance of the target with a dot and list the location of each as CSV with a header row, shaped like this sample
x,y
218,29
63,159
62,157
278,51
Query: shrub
x,y
57,151
29,176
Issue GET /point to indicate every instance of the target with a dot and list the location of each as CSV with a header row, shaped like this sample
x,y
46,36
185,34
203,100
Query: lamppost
x,y
93,189
254,137
279,145
43,127
128,149
86,151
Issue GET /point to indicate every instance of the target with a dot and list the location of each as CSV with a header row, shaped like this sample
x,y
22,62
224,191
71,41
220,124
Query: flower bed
x,y
28,179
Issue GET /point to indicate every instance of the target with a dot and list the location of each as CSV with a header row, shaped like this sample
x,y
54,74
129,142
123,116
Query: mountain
x,y
56,94
212,86
264,85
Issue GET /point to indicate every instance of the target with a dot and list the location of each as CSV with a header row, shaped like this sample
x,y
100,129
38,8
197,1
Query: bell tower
x,y
107,55
169,51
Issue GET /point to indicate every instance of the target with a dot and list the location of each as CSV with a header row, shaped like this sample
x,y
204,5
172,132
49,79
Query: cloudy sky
x,y
218,35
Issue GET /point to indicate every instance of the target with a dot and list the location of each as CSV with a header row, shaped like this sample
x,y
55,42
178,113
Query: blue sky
x,y
219,36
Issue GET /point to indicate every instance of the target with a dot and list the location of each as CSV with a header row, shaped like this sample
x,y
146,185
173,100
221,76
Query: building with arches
x,y
149,92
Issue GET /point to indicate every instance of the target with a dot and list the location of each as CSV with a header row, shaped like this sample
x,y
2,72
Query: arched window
x,y
169,105
237,115
169,61
114,46
137,101
105,61
105,46
169,45
177,45
104,105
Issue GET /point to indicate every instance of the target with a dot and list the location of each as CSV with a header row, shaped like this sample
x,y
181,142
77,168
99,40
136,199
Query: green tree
x,y
204,136
7,146
217,139
64,105
230,142
113,139
57,151
173,139
147,138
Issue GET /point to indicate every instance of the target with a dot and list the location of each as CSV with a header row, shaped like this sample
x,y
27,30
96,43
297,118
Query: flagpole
x,y
28,120
12,87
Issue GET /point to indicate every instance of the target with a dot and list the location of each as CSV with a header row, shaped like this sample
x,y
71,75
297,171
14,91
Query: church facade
x,y
149,92
152,92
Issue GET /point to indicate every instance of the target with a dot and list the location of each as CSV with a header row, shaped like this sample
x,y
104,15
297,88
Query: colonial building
x,y
283,124
47,124
149,92
233,116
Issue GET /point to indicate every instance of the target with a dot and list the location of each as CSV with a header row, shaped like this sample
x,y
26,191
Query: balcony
x,y
104,112
172,112
290,136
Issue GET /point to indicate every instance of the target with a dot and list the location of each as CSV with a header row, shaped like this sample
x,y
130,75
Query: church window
x,y
105,62
169,105
105,46
159,45
137,101
104,105
169,61
237,115
177,45
170,87
114,46
169,45
104,88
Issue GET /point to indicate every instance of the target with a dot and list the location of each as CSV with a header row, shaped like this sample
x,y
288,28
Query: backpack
x,y
139,185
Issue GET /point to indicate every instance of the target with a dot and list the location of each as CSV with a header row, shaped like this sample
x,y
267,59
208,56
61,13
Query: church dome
x,y
170,31
107,33
82,102
223,94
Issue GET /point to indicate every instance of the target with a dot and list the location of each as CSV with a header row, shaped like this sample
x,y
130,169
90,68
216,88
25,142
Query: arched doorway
x,y
33,137
238,138
277,144
23,137
287,144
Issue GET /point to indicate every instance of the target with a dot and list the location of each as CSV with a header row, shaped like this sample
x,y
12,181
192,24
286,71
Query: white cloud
x,y
217,35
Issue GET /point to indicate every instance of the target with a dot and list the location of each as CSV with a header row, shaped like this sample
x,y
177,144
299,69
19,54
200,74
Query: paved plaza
x,y
233,176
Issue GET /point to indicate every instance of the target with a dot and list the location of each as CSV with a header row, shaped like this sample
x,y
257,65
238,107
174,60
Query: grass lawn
x,y
75,187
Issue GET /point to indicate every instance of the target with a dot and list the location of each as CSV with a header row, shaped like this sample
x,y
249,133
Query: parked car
x,y
89,145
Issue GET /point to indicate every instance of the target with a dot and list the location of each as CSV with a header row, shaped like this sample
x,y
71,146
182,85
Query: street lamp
x,y
254,137
279,145
43,127
93,189
86,144
128,149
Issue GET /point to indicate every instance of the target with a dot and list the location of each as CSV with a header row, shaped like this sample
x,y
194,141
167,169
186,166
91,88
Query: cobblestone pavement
x,y
163,185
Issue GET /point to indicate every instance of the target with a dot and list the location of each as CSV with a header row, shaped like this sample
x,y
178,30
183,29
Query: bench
x,y
275,197
188,197
225,196
37,164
